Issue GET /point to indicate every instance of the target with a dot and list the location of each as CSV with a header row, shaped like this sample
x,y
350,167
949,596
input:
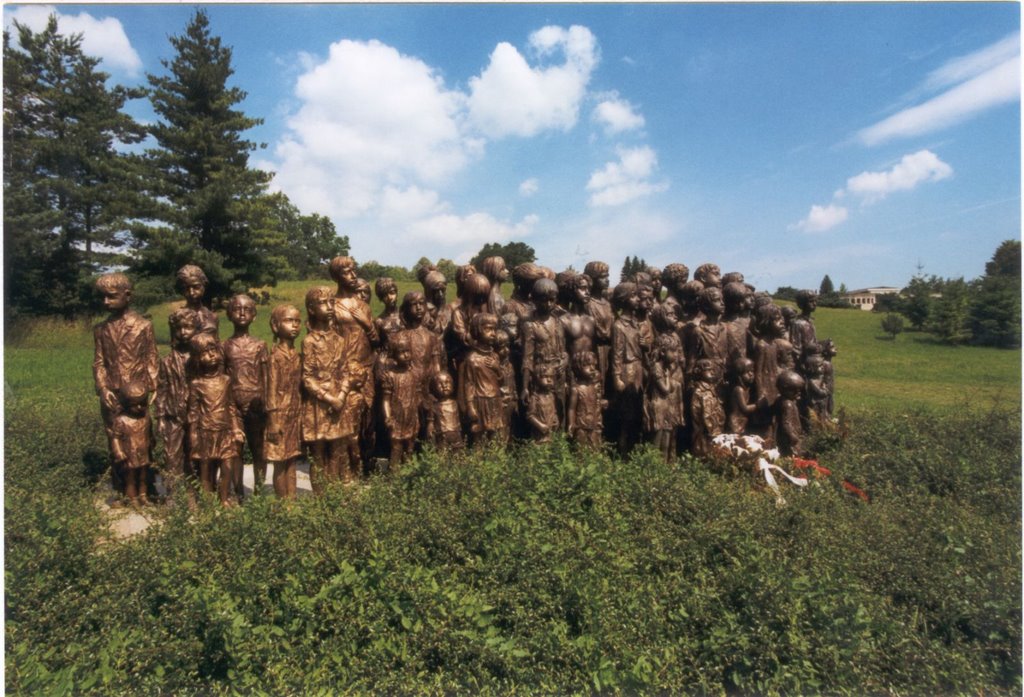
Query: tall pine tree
x,y
68,189
207,191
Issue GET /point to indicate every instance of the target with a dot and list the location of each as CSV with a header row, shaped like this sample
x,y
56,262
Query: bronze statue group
x,y
660,358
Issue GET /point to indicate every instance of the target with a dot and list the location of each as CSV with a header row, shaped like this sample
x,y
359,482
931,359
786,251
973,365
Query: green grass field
x,y
872,371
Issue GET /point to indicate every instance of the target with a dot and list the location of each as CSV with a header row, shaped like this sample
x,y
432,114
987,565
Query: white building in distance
x,y
865,298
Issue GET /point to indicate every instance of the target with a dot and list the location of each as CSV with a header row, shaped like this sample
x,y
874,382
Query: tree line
x,y
88,188
984,311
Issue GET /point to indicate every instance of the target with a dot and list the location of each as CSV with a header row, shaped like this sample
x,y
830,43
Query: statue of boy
x,y
125,352
586,403
544,345
248,363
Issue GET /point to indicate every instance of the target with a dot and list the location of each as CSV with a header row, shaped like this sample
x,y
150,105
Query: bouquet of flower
x,y
748,453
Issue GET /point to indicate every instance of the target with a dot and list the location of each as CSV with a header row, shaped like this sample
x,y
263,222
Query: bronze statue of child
x,y
445,424
541,412
125,352
627,366
248,364
509,395
741,405
283,440
705,407
191,282
480,382
788,432
401,397
543,339
586,402
388,321
663,403
324,363
815,397
171,404
133,441
214,423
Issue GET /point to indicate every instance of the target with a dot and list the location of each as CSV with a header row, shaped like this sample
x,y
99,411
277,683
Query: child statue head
x,y
206,353
598,272
442,386
343,272
400,349
584,367
241,310
494,269
320,305
790,384
807,301
544,294
285,322
116,290
183,323
414,309
191,282
624,297
387,292
709,275
483,330
743,370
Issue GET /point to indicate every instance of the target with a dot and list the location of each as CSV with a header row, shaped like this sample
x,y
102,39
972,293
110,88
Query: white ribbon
x,y
767,467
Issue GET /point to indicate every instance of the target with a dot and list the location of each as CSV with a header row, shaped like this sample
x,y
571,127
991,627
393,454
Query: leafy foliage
x,y
892,324
514,254
534,570
826,287
995,318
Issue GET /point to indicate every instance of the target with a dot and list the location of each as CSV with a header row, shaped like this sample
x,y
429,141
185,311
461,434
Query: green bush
x,y
535,569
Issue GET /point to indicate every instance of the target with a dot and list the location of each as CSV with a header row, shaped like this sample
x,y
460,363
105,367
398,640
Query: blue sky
x,y
785,141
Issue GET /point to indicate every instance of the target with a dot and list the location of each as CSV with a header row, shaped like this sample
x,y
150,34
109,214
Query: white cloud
x,y
965,67
529,187
822,218
101,38
626,180
977,82
370,117
468,232
512,98
871,187
617,116
911,170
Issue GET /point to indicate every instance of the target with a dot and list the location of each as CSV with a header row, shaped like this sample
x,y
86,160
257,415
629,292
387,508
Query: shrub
x,y
536,569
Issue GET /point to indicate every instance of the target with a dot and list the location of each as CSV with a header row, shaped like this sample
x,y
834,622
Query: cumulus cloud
x,y
977,82
101,37
617,115
911,170
870,187
822,218
529,187
626,180
511,97
370,117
